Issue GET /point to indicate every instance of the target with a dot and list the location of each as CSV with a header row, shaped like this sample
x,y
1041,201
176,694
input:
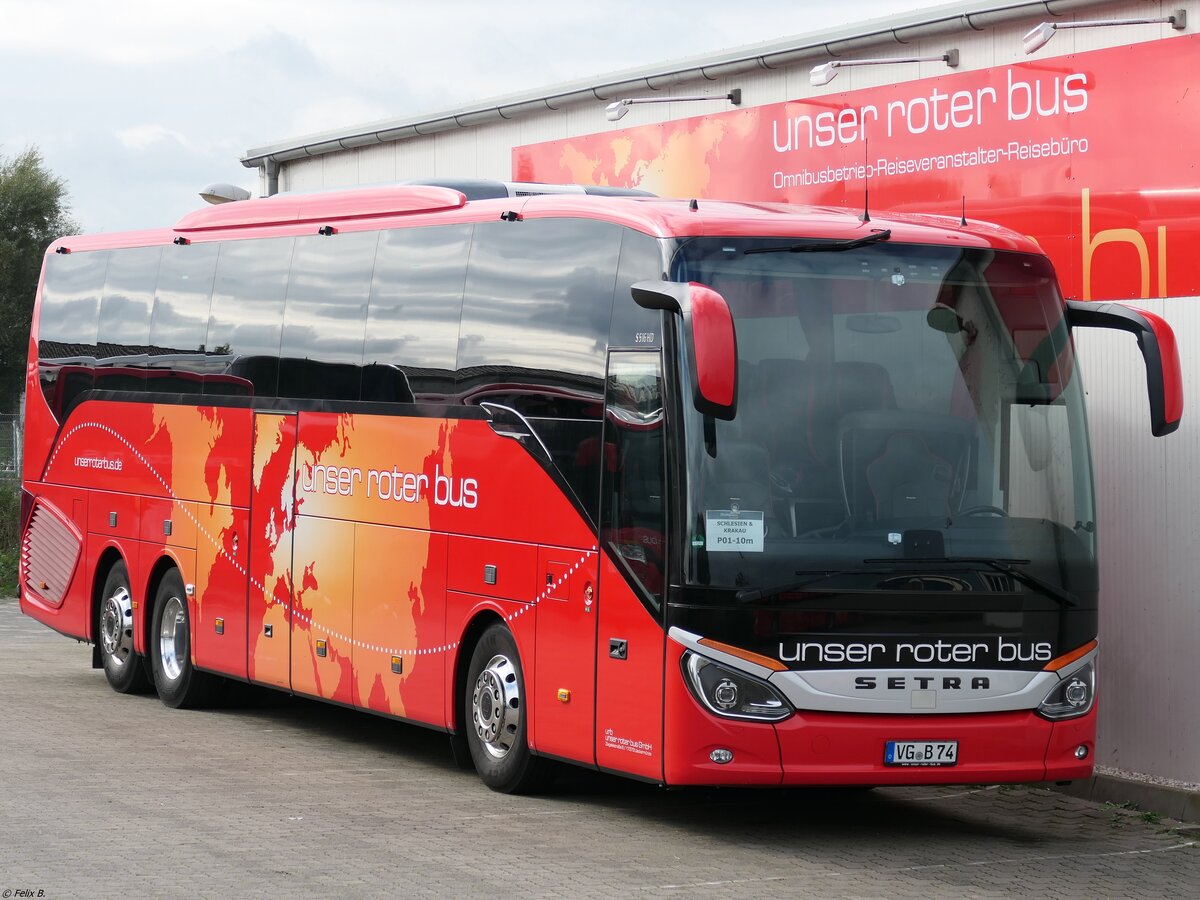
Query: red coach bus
x,y
693,492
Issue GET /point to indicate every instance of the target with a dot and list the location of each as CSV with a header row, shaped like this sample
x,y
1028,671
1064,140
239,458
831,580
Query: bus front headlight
x,y
730,693
1073,696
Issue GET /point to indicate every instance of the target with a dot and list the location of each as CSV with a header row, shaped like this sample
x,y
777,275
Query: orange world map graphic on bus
x,y
337,526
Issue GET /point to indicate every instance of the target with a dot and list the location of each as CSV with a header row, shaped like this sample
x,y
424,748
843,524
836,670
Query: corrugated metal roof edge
x,y
767,55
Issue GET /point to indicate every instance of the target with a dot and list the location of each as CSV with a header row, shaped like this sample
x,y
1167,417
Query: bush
x,y
10,535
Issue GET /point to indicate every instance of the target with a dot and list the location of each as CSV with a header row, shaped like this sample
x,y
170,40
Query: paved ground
x,y
109,796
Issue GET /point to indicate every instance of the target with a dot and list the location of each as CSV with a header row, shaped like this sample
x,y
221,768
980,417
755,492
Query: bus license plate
x,y
920,753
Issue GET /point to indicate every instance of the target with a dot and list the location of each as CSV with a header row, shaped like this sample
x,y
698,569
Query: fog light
x,y
1081,751
721,756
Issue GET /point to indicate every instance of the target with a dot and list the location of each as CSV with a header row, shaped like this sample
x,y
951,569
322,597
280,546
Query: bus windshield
x,y
908,416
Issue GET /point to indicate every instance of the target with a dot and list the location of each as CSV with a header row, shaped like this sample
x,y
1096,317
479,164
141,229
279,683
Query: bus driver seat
x,y
738,477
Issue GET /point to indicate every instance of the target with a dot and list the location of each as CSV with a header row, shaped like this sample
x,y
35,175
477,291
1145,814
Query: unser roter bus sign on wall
x,y
1094,155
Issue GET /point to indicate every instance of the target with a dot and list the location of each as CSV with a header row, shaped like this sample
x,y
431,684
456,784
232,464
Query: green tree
x,y
33,212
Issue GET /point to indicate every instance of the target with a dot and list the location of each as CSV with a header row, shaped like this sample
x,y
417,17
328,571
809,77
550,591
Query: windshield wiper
x,y
1054,592
826,246
1008,566
749,595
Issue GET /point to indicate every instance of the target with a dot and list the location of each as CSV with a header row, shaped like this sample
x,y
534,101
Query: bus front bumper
x,y
821,748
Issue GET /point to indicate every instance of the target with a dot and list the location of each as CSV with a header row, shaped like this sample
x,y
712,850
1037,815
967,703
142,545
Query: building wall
x,y
1148,516
1148,509
484,151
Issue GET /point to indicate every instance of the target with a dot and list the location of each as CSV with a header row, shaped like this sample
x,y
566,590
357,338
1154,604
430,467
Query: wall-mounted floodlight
x,y
223,193
826,72
1040,35
618,108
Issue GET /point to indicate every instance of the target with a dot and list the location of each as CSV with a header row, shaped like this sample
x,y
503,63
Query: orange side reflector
x,y
1067,658
756,658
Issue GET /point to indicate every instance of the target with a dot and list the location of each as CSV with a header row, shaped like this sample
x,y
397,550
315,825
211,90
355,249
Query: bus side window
x,y
412,317
633,506
641,260
67,326
325,317
536,316
123,332
246,320
179,321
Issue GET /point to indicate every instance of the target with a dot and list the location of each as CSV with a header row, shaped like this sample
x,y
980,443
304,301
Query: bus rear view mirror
x,y
708,334
1157,343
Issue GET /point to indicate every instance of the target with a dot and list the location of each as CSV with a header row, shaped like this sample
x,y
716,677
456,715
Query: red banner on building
x,y
1094,155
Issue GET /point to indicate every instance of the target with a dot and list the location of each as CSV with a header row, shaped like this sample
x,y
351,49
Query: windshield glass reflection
x,y
905,412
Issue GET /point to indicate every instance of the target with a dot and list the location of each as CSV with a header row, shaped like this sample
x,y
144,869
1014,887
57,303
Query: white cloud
x,y
143,137
167,96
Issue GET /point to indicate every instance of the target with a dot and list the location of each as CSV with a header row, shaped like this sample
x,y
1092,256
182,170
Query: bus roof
x,y
392,206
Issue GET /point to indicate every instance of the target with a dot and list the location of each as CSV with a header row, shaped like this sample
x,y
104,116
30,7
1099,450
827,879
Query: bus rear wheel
x,y
495,719
123,668
177,681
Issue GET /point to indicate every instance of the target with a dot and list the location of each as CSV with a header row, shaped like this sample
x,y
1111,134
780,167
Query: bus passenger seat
x,y
808,401
863,385
909,479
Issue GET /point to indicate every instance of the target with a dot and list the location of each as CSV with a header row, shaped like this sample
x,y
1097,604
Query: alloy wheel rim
x,y
172,638
116,627
496,706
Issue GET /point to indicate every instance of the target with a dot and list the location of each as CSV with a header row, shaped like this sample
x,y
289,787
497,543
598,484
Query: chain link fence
x,y
10,447
10,503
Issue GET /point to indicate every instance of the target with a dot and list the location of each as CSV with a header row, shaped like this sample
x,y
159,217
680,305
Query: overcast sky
x,y
140,104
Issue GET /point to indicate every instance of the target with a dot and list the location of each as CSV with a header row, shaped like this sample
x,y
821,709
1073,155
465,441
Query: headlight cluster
x,y
1072,696
728,692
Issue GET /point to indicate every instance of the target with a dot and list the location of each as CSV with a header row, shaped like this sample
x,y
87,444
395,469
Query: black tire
x,y
179,684
124,669
494,717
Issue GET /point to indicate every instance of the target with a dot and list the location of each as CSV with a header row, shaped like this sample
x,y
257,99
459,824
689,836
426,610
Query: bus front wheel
x,y
495,719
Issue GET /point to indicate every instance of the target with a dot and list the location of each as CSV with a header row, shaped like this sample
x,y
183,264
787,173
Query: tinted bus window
x,y
124,327
179,324
325,319
534,334
412,320
634,493
641,260
71,304
537,307
67,325
246,322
